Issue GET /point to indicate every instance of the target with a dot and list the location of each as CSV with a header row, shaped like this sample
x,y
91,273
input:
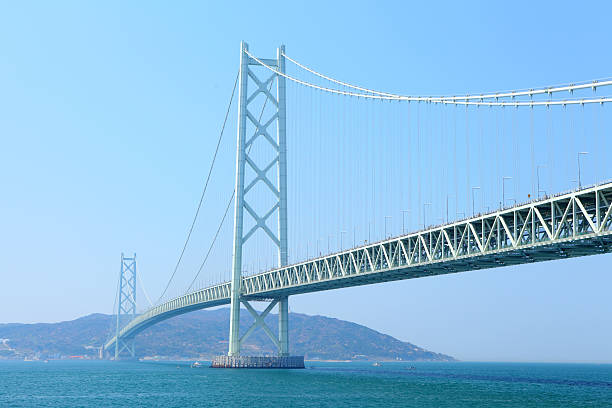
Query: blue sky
x,y
110,112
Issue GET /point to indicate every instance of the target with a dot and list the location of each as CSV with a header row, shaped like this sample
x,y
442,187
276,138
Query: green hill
x,y
203,334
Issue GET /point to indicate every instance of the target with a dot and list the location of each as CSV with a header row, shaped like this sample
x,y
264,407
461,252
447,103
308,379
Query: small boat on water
x,y
377,364
196,364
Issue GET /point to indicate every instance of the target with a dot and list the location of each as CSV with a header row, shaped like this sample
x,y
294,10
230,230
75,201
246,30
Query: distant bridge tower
x,y
254,119
126,305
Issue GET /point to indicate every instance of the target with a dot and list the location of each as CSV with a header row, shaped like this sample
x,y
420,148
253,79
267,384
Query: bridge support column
x,y
259,127
234,335
126,306
283,326
283,260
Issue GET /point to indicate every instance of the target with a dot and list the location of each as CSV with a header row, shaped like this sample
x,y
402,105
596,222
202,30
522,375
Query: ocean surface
x,y
150,384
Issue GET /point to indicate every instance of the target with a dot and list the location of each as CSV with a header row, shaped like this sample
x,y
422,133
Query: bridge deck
x,y
574,224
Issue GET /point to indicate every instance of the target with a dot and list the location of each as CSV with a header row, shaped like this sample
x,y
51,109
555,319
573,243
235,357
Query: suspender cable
x,y
534,194
573,140
467,162
551,152
455,177
409,171
419,161
598,145
478,161
517,156
498,176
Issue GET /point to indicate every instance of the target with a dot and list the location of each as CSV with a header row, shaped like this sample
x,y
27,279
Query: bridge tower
x,y
126,305
247,117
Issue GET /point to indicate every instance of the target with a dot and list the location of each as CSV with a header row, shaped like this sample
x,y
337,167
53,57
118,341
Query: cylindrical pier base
x,y
258,362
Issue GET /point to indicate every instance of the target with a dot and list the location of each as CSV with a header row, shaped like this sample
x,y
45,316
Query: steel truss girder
x,y
557,227
569,225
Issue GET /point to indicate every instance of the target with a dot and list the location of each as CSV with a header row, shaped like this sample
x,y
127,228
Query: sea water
x,y
149,384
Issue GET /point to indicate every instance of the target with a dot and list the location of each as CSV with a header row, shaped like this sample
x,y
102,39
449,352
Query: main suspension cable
x,y
195,217
461,100
336,81
594,84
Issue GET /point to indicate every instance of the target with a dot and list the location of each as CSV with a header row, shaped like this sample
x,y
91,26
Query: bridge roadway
x,y
573,224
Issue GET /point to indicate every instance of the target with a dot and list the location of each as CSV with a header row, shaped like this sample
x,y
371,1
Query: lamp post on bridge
x,y
424,212
504,190
403,224
386,217
447,197
341,235
473,209
538,177
579,178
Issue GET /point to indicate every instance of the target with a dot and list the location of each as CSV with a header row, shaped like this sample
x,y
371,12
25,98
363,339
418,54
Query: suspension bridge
x,y
424,164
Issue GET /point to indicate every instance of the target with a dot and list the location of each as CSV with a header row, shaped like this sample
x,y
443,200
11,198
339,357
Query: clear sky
x,y
109,113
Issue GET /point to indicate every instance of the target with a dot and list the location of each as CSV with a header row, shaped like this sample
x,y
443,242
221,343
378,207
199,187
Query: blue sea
x,y
151,384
